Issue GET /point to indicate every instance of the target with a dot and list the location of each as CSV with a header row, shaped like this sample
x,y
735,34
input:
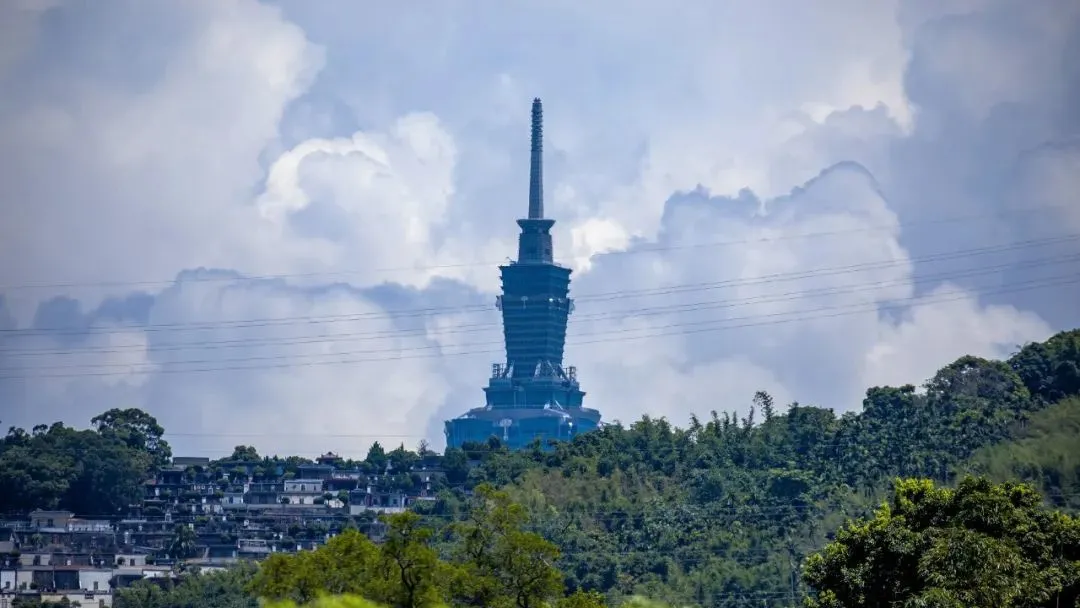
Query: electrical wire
x,y
395,354
617,295
892,226
529,328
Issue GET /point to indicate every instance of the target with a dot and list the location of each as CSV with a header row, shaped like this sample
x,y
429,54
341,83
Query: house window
x,y
95,585
131,562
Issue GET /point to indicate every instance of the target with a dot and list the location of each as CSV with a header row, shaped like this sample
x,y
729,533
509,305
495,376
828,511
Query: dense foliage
x,y
222,589
355,601
97,472
723,512
978,545
494,562
1045,453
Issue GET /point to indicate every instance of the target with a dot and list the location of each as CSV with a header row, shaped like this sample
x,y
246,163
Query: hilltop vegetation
x,y
98,472
1045,453
981,545
725,511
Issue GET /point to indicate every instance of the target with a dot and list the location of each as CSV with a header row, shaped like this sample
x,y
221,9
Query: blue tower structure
x,y
532,396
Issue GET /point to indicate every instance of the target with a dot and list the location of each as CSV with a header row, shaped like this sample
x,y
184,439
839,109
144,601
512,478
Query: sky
x,y
279,223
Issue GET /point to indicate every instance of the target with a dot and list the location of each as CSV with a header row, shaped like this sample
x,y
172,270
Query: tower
x,y
531,396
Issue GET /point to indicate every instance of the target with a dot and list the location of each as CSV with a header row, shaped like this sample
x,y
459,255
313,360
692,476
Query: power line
x,y
533,327
267,277
617,295
874,307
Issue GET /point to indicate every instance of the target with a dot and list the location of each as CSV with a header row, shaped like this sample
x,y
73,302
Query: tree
x,y
979,545
376,457
582,599
331,601
401,460
343,565
1051,369
35,602
137,430
245,453
409,564
764,402
184,543
501,563
59,467
456,465
401,572
221,589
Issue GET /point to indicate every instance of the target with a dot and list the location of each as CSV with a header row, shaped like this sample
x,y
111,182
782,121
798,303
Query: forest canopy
x,y
725,511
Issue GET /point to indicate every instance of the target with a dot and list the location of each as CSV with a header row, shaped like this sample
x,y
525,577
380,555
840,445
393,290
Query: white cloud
x,y
899,355
249,362
117,180
338,141
804,317
371,197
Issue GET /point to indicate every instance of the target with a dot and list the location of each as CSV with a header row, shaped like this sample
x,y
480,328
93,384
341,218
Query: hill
x,y
1045,454
722,512
729,508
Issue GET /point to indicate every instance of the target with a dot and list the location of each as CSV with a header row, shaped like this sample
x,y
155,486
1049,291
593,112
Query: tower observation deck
x,y
530,396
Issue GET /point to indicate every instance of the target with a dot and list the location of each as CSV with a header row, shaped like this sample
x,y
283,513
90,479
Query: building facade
x,y
531,396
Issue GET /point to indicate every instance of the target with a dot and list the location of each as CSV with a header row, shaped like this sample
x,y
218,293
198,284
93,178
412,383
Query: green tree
x,y
501,563
401,572
221,589
245,453
184,543
344,565
1051,369
137,430
456,464
980,545
59,467
376,457
409,564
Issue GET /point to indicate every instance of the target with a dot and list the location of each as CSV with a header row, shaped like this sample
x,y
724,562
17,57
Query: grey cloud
x,y
994,85
158,161
223,360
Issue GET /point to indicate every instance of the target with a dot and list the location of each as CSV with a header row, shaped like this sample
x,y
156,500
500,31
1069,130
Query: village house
x,y
301,491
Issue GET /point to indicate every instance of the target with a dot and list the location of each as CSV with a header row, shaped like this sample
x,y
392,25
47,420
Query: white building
x,y
302,491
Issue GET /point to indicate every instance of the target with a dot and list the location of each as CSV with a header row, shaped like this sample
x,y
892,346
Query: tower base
x,y
517,428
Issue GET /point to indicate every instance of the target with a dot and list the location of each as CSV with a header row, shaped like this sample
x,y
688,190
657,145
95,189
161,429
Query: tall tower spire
x,y
532,396
534,243
536,167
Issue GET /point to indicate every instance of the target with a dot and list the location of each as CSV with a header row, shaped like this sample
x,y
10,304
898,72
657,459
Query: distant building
x,y
50,519
302,491
532,396
191,461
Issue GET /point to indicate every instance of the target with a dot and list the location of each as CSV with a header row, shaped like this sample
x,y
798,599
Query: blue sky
x,y
806,198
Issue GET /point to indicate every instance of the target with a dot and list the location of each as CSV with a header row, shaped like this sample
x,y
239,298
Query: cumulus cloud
x,y
111,172
373,161
322,193
783,306
222,360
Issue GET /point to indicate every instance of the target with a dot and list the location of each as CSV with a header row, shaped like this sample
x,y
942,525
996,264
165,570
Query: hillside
x,y
1045,453
722,512
729,508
